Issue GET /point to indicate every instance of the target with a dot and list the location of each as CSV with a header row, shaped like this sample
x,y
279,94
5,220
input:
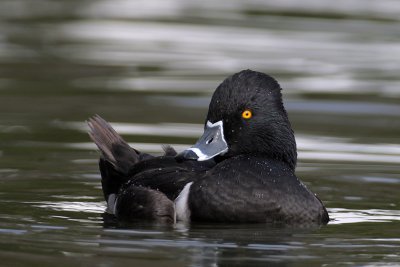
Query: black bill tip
x,y
186,155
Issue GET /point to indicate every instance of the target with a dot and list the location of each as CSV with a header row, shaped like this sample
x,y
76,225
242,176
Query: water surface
x,y
150,67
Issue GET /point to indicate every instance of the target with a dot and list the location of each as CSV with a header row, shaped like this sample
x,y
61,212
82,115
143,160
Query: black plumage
x,y
241,170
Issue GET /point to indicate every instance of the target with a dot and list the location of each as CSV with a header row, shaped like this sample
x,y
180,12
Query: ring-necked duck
x,y
240,170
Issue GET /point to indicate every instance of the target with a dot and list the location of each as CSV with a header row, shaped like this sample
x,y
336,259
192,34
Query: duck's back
x,y
254,189
166,175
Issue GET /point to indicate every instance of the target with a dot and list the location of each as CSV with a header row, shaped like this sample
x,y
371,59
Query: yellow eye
x,y
247,114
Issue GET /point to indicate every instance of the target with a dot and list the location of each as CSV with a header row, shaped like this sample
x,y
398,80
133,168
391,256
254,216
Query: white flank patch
x,y
181,204
112,204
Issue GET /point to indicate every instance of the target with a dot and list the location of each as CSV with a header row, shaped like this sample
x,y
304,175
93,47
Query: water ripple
x,y
75,206
344,216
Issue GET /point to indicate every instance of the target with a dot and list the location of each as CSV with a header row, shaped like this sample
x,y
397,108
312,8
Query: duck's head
x,y
246,116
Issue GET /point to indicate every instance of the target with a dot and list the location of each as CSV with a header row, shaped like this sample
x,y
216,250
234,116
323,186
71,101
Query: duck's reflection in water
x,y
214,244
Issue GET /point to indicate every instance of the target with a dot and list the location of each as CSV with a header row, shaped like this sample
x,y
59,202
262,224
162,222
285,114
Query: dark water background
x,y
150,67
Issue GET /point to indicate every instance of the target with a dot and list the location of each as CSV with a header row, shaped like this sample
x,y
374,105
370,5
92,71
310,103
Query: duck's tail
x,y
117,156
114,149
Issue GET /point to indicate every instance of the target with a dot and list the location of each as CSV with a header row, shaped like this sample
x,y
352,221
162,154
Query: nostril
x,y
209,141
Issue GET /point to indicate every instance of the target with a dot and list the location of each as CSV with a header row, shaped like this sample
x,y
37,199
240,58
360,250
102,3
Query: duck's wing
x,y
167,175
152,188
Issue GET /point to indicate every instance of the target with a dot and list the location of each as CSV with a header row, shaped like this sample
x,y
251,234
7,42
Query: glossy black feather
x,y
141,203
253,189
122,167
268,132
167,175
254,181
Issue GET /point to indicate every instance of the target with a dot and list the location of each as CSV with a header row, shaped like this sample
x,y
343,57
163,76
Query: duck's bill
x,y
210,144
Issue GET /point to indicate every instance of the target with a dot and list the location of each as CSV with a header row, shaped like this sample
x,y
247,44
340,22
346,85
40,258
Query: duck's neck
x,y
288,157
283,150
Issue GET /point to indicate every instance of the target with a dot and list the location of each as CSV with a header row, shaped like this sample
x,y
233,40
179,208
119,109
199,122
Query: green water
x,y
150,68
